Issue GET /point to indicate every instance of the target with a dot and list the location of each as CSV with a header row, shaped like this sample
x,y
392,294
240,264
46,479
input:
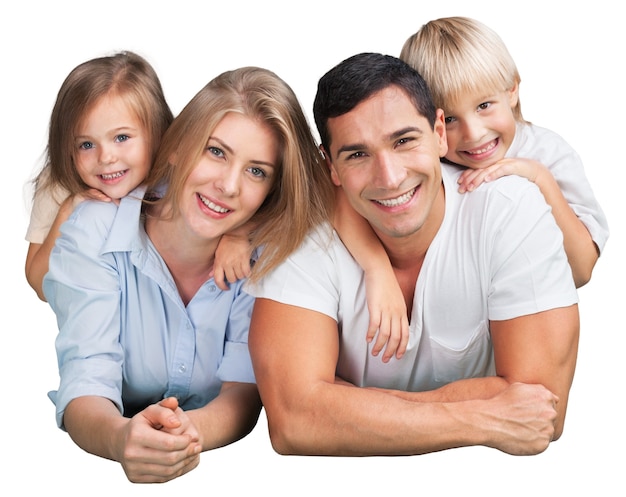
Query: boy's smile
x,y
481,129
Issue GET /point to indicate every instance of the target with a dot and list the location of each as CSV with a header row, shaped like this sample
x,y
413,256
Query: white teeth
x,y
482,150
402,199
116,175
212,206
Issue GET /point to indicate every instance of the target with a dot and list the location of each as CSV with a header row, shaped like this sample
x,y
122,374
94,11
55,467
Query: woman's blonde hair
x,y
459,56
124,74
301,195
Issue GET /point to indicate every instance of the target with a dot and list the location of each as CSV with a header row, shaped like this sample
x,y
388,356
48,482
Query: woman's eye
x,y
257,172
217,152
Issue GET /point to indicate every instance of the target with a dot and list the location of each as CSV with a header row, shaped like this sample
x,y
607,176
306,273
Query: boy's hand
x,y
471,179
388,316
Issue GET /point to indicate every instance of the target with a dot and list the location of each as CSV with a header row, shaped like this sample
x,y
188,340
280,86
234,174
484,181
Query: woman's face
x,y
232,178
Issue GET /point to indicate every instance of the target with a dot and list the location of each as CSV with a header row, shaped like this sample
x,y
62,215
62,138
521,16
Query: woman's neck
x,y
189,259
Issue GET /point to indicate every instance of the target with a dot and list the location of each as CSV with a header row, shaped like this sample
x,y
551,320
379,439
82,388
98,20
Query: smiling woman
x,y
153,356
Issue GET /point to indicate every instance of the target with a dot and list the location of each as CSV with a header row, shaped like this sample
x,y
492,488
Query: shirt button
x,y
212,288
182,368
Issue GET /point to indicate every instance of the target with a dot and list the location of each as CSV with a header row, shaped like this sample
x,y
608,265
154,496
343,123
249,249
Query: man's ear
x,y
329,163
440,131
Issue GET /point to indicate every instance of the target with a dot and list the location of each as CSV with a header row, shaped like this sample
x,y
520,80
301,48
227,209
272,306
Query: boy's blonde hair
x,y
124,74
300,197
459,56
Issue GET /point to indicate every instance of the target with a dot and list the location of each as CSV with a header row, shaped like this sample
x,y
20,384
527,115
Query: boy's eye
x,y
121,138
484,105
217,152
449,119
86,145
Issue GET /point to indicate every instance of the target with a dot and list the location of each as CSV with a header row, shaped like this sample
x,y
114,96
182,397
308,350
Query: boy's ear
x,y
514,95
333,173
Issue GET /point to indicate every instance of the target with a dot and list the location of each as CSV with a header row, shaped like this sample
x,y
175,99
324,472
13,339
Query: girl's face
x,y
480,129
112,148
232,178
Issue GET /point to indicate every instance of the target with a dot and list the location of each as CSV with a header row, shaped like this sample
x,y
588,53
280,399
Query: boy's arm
x,y
582,252
387,308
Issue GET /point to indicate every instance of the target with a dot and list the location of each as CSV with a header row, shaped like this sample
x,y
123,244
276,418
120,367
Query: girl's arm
x,y
232,257
387,308
582,252
38,254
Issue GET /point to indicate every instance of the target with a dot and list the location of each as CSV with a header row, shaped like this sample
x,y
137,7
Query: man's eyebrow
x,y
353,147
350,148
404,131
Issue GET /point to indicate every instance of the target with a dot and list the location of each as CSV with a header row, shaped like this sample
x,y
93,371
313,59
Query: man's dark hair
x,y
357,78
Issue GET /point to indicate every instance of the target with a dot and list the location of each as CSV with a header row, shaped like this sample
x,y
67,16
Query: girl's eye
x,y
121,138
86,145
257,172
217,152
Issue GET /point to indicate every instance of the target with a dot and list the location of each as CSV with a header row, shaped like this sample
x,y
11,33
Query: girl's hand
x,y
232,259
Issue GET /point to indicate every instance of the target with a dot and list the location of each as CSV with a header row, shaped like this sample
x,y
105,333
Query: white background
x,y
570,55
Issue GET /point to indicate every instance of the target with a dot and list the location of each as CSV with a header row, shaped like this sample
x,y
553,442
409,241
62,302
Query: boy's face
x,y
386,157
481,128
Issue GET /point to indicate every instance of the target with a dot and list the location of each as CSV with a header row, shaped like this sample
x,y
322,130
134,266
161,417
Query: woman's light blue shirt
x,y
124,332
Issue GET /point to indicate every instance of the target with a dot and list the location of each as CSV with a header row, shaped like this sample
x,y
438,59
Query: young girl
x,y
105,127
474,79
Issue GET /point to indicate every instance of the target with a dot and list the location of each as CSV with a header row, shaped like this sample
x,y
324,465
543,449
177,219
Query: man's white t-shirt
x,y
498,255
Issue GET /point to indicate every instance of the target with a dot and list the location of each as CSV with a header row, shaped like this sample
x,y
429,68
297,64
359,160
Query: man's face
x,y
385,156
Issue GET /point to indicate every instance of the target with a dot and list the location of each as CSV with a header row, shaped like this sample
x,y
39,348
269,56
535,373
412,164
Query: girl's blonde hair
x,y
458,56
301,194
124,74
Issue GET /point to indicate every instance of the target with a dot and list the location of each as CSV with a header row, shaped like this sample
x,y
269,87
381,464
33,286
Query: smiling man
x,y
490,296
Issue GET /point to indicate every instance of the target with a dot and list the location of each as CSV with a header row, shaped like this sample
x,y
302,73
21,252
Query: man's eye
x,y
356,155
